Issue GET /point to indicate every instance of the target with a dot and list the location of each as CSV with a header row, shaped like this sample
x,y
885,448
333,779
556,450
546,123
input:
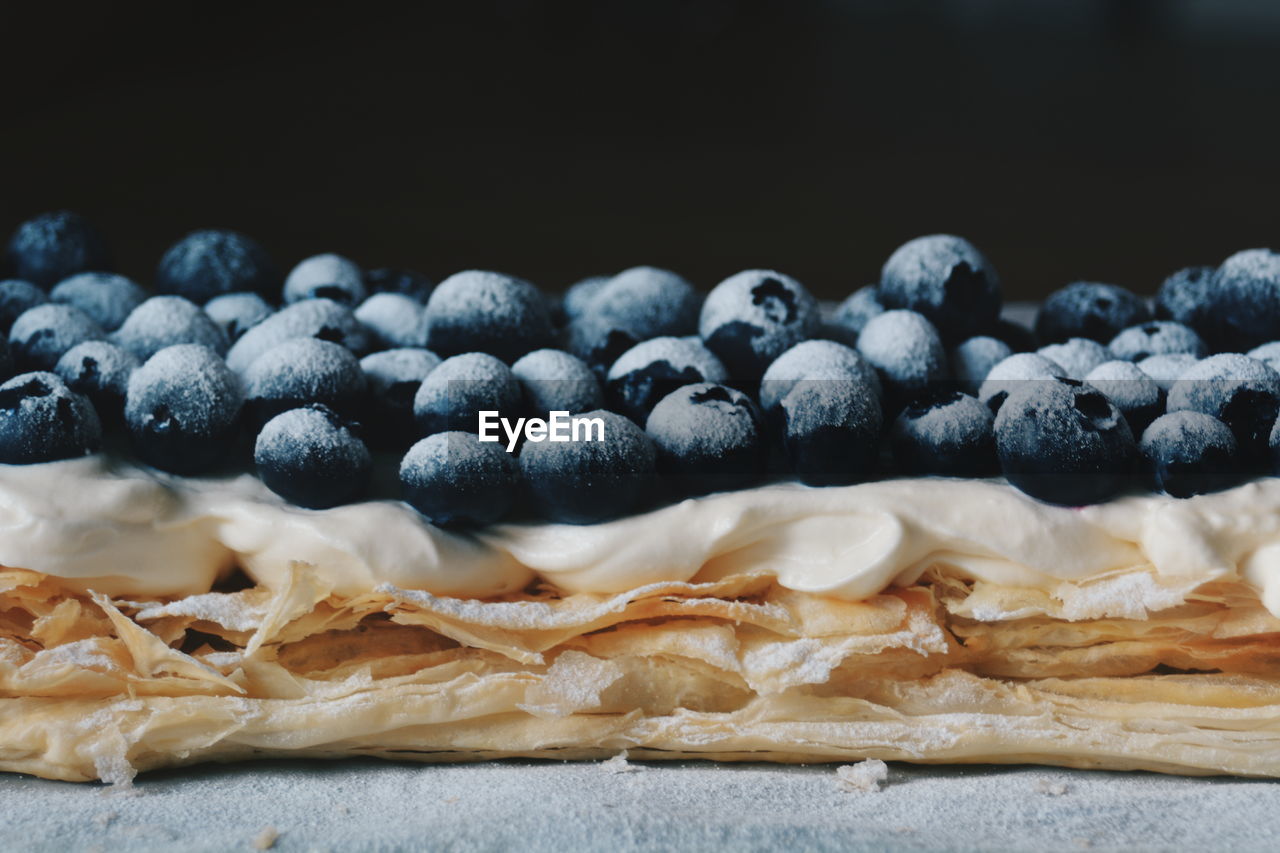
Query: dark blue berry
x,y
858,309
597,341
906,350
1018,337
602,474
1189,297
1242,392
310,318
1076,356
209,263
310,457
753,317
649,371
708,439
645,302
106,297
813,360
393,377
488,312
945,279
408,283
973,360
831,430
237,313
1159,337
1191,453
830,326
1017,371
47,248
41,420
165,321
948,434
40,336
579,295
182,408
1246,299
452,395
1064,442
101,372
454,479
1091,310
1268,354
16,298
555,381
303,371
1138,397
1167,369
325,277
394,320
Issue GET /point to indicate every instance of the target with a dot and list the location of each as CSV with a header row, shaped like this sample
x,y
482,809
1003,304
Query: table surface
x,y
532,806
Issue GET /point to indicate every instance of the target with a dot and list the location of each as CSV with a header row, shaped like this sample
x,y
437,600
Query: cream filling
x,y
125,530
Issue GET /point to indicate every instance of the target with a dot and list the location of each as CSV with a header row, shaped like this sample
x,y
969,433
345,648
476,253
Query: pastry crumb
x,y
266,839
865,776
618,764
448,801
1051,789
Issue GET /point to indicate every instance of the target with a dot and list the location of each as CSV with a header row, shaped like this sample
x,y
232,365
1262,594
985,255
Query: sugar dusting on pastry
x,y
863,777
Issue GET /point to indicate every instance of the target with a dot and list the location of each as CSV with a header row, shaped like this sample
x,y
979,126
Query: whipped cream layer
x,y
125,530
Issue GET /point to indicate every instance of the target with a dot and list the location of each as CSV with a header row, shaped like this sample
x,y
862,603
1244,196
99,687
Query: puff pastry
x,y
944,670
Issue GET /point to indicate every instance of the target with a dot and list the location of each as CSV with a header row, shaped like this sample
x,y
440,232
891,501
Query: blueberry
x,y
488,312
555,381
1017,371
303,371
1088,309
310,318
164,321
41,335
1242,392
753,317
16,298
906,350
647,302
579,295
1189,297
831,429
393,377
454,479
707,438
1076,356
1268,353
948,434
101,372
594,339
1064,442
310,457
325,277
1166,369
237,313
858,309
1138,397
945,279
973,360
47,248
209,263
182,408
1246,299
1017,336
1191,453
106,297
814,360
394,320
649,371
831,327
408,283
42,420
602,474
1159,337
450,397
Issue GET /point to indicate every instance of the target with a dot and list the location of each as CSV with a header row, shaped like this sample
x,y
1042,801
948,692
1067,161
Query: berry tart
x,y
343,512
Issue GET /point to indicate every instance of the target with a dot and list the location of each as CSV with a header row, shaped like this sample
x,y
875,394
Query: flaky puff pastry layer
x,y
1180,680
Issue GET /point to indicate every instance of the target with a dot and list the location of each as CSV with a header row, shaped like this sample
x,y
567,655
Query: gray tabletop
x,y
369,805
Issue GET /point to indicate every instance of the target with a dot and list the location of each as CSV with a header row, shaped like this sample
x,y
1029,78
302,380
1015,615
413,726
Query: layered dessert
x,y
904,530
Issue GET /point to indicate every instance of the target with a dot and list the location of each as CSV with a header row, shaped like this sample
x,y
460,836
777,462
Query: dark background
x,y
1067,138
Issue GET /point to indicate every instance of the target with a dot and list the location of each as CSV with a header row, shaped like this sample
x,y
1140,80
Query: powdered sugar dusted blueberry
x,y
649,371
1191,453
326,276
454,479
394,320
948,433
408,283
41,420
41,335
237,313
753,317
310,318
164,321
906,350
1165,369
1246,299
303,371
831,430
1015,372
814,360
860,307
16,298
648,302
1159,337
393,377
106,297
310,457
708,438
477,311
211,262
973,360
604,473
1135,393
1017,336
579,295
945,279
182,408
460,387
1268,354
1088,309
555,381
47,248
101,372
1076,356
1188,297
1242,392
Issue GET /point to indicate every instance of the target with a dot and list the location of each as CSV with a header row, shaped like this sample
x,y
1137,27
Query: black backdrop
x,y
1067,138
